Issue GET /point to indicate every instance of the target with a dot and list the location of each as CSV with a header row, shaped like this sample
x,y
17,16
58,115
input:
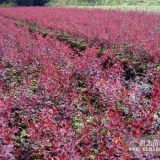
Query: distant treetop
x,y
25,2
31,2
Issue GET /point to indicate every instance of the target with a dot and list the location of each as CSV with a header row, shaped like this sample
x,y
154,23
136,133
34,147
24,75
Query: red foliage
x,y
66,104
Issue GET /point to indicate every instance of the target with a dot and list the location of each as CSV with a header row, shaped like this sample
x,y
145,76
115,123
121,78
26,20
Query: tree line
x,y
26,2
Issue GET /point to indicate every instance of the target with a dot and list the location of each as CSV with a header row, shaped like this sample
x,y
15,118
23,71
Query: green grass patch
x,y
7,4
140,5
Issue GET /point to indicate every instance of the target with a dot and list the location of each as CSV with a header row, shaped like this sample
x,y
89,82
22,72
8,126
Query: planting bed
x,y
78,84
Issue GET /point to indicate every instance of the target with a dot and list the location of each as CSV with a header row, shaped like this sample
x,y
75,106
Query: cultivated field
x,y
123,8
79,84
142,5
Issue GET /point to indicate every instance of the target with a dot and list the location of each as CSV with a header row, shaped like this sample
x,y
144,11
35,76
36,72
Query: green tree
x,y
31,2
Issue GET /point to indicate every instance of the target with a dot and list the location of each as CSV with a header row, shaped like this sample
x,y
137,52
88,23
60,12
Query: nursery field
x,y
79,84
140,8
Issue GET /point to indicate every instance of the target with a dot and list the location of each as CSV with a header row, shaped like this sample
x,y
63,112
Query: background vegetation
x,y
23,2
104,2
7,2
82,2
